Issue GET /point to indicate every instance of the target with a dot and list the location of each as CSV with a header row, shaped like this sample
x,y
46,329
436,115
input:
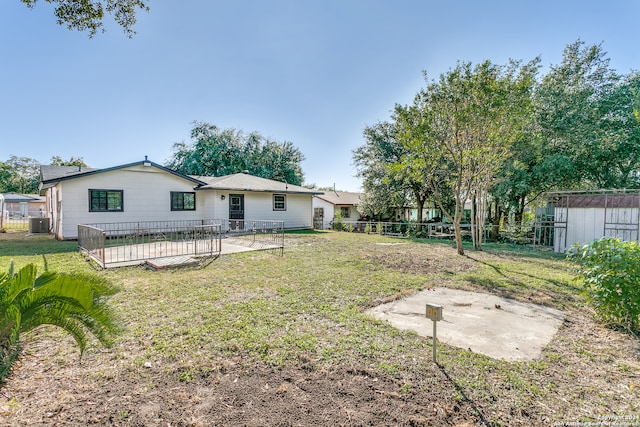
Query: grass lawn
x,y
259,339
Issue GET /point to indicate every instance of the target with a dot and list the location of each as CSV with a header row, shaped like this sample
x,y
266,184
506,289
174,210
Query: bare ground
x,y
51,388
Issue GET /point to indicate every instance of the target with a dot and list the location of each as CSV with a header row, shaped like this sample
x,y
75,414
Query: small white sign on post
x,y
434,312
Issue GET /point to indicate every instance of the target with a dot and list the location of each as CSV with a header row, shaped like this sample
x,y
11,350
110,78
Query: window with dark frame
x,y
183,201
345,212
106,201
279,202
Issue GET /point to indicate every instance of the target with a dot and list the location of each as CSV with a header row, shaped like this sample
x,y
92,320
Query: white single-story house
x,y
580,217
326,205
147,191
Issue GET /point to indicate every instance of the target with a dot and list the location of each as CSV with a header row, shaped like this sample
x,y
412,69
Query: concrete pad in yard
x,y
498,327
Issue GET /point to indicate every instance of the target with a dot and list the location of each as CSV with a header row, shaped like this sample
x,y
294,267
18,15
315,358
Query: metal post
x,y
434,312
434,342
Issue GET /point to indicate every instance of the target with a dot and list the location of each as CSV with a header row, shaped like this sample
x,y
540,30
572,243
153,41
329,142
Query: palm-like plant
x,y
75,303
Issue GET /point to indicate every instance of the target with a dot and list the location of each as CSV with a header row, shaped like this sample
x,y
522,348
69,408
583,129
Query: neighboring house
x,y
580,217
326,205
147,191
23,205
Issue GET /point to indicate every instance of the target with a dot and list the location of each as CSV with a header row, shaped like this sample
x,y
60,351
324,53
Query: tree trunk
x,y
457,218
479,211
495,221
477,220
419,218
519,214
420,202
458,234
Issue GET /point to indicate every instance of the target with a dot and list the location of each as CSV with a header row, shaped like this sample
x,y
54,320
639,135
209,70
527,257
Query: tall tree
x,y
20,175
73,161
464,125
88,15
585,112
385,183
216,152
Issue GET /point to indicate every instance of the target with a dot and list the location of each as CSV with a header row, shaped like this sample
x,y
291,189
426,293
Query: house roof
x,y
50,174
246,182
341,198
21,198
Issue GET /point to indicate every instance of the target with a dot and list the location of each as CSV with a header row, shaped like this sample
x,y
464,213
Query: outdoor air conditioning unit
x,y
38,225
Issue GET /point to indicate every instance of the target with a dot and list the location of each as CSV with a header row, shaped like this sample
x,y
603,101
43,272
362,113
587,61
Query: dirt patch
x,y
50,388
228,396
421,259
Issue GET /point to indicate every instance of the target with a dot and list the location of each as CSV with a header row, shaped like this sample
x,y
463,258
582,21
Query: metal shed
x,y
582,216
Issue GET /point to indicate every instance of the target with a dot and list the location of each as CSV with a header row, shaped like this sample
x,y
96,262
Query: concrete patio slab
x,y
498,327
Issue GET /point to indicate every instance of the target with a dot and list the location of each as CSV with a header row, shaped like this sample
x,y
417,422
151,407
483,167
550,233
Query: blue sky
x,y
307,71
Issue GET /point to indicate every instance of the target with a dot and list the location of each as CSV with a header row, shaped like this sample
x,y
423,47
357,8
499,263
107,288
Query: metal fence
x,y
431,230
403,229
130,243
15,223
258,234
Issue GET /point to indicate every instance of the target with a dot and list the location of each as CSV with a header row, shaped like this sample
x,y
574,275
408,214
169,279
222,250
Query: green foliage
x,y
385,179
490,132
73,161
19,175
87,15
75,303
218,152
610,270
450,144
585,113
337,223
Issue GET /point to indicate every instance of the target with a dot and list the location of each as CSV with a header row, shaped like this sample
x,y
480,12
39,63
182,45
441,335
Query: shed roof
x,y
612,200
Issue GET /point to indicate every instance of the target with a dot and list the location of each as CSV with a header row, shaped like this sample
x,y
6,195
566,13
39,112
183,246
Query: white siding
x,y
328,211
354,215
587,224
298,213
146,197
584,225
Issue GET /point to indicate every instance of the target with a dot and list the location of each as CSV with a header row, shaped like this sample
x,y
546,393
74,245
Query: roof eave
x,y
53,181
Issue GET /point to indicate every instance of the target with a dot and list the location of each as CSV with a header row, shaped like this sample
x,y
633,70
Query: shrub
x,y
610,270
337,222
75,303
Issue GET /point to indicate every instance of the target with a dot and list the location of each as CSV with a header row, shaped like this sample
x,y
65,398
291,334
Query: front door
x,y
236,211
